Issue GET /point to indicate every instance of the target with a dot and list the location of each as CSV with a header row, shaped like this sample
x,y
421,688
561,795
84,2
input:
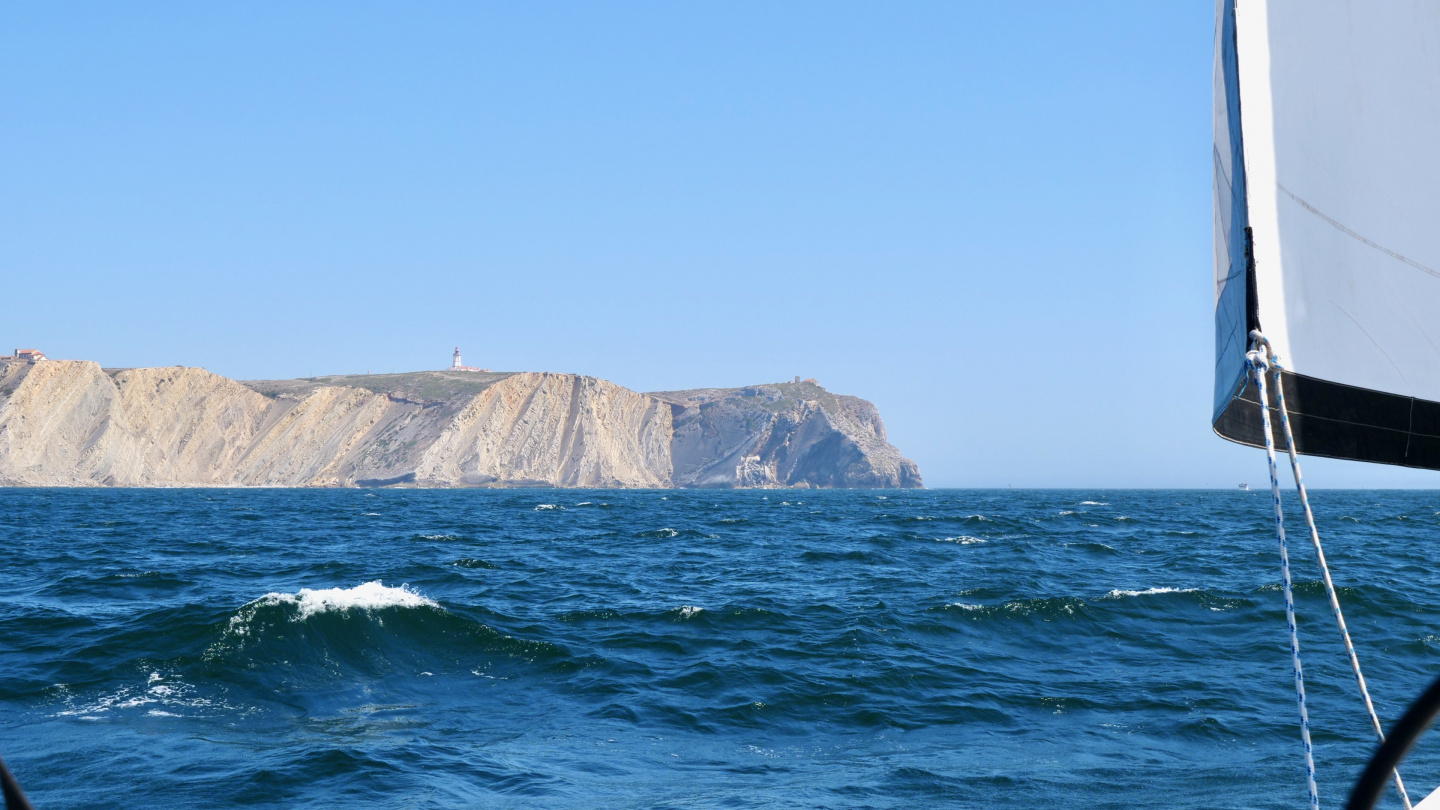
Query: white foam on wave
x,y
545,507
1064,512
1094,503
1117,593
177,698
687,611
964,540
965,606
310,601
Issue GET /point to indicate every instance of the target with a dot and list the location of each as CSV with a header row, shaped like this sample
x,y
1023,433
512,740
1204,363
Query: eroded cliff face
x,y
782,435
53,424
554,430
71,423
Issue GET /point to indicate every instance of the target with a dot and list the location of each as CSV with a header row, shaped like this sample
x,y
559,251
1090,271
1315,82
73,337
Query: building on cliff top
x,y
455,364
29,355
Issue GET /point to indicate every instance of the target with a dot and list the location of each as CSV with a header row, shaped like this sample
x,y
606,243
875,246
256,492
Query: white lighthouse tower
x,y
456,364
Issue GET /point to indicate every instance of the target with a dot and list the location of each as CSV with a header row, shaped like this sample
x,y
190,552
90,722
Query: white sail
x,y
1327,148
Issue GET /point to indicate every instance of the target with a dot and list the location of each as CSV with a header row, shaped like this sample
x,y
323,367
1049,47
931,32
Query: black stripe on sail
x,y
1252,298
1341,421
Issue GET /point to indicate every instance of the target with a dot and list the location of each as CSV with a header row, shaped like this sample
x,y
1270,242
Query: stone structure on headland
x,y
72,423
456,364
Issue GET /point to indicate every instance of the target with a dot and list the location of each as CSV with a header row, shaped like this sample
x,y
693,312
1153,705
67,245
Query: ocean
x,y
679,649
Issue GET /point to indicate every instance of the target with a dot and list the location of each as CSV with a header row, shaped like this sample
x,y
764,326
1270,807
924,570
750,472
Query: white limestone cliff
x,y
558,430
71,423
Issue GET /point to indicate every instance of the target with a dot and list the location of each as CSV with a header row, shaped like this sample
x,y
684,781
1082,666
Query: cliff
x,y
72,423
784,434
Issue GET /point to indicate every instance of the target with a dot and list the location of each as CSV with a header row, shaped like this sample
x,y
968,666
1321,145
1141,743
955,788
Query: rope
x,y
1274,362
1259,364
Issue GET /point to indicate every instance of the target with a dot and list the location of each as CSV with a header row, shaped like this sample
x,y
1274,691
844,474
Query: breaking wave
x,y
368,596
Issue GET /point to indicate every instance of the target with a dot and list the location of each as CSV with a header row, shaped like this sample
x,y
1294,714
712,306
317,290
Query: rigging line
x,y
1256,361
1353,235
1274,362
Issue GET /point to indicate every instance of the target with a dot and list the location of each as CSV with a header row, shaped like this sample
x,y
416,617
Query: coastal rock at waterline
x,y
782,435
72,423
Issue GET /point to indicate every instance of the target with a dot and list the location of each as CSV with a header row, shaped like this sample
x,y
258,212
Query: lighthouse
x,y
457,365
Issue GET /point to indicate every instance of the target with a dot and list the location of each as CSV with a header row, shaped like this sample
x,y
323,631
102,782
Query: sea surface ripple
x,y
775,649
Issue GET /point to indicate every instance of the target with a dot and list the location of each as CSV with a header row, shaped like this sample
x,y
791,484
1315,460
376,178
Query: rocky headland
x,y
73,423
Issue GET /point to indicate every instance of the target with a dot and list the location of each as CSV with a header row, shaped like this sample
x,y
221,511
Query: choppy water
x,y
398,649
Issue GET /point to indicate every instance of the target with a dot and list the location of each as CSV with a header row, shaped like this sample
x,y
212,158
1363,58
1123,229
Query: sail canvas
x,y
1327,201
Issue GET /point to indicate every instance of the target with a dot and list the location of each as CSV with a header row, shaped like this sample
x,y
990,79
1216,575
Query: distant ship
x,y
1244,487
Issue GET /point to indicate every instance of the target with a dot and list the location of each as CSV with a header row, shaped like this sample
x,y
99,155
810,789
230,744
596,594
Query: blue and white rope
x,y
1273,361
1258,363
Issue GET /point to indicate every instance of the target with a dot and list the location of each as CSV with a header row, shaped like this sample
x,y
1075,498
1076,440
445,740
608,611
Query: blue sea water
x,y
773,649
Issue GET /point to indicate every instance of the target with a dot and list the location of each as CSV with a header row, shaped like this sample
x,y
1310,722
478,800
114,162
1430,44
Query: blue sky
x,y
991,219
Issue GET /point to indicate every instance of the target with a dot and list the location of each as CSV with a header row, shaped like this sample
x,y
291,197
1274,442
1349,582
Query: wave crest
x,y
1118,593
308,602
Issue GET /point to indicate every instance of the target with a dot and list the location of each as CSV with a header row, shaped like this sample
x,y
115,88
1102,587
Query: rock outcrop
x,y
72,423
784,434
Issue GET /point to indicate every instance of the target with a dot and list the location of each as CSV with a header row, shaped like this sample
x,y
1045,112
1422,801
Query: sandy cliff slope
x,y
53,424
71,423
555,430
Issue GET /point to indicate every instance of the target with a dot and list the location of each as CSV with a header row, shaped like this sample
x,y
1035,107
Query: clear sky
x,y
991,219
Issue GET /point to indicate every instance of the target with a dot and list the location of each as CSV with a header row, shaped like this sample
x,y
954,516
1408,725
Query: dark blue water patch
x,y
542,648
